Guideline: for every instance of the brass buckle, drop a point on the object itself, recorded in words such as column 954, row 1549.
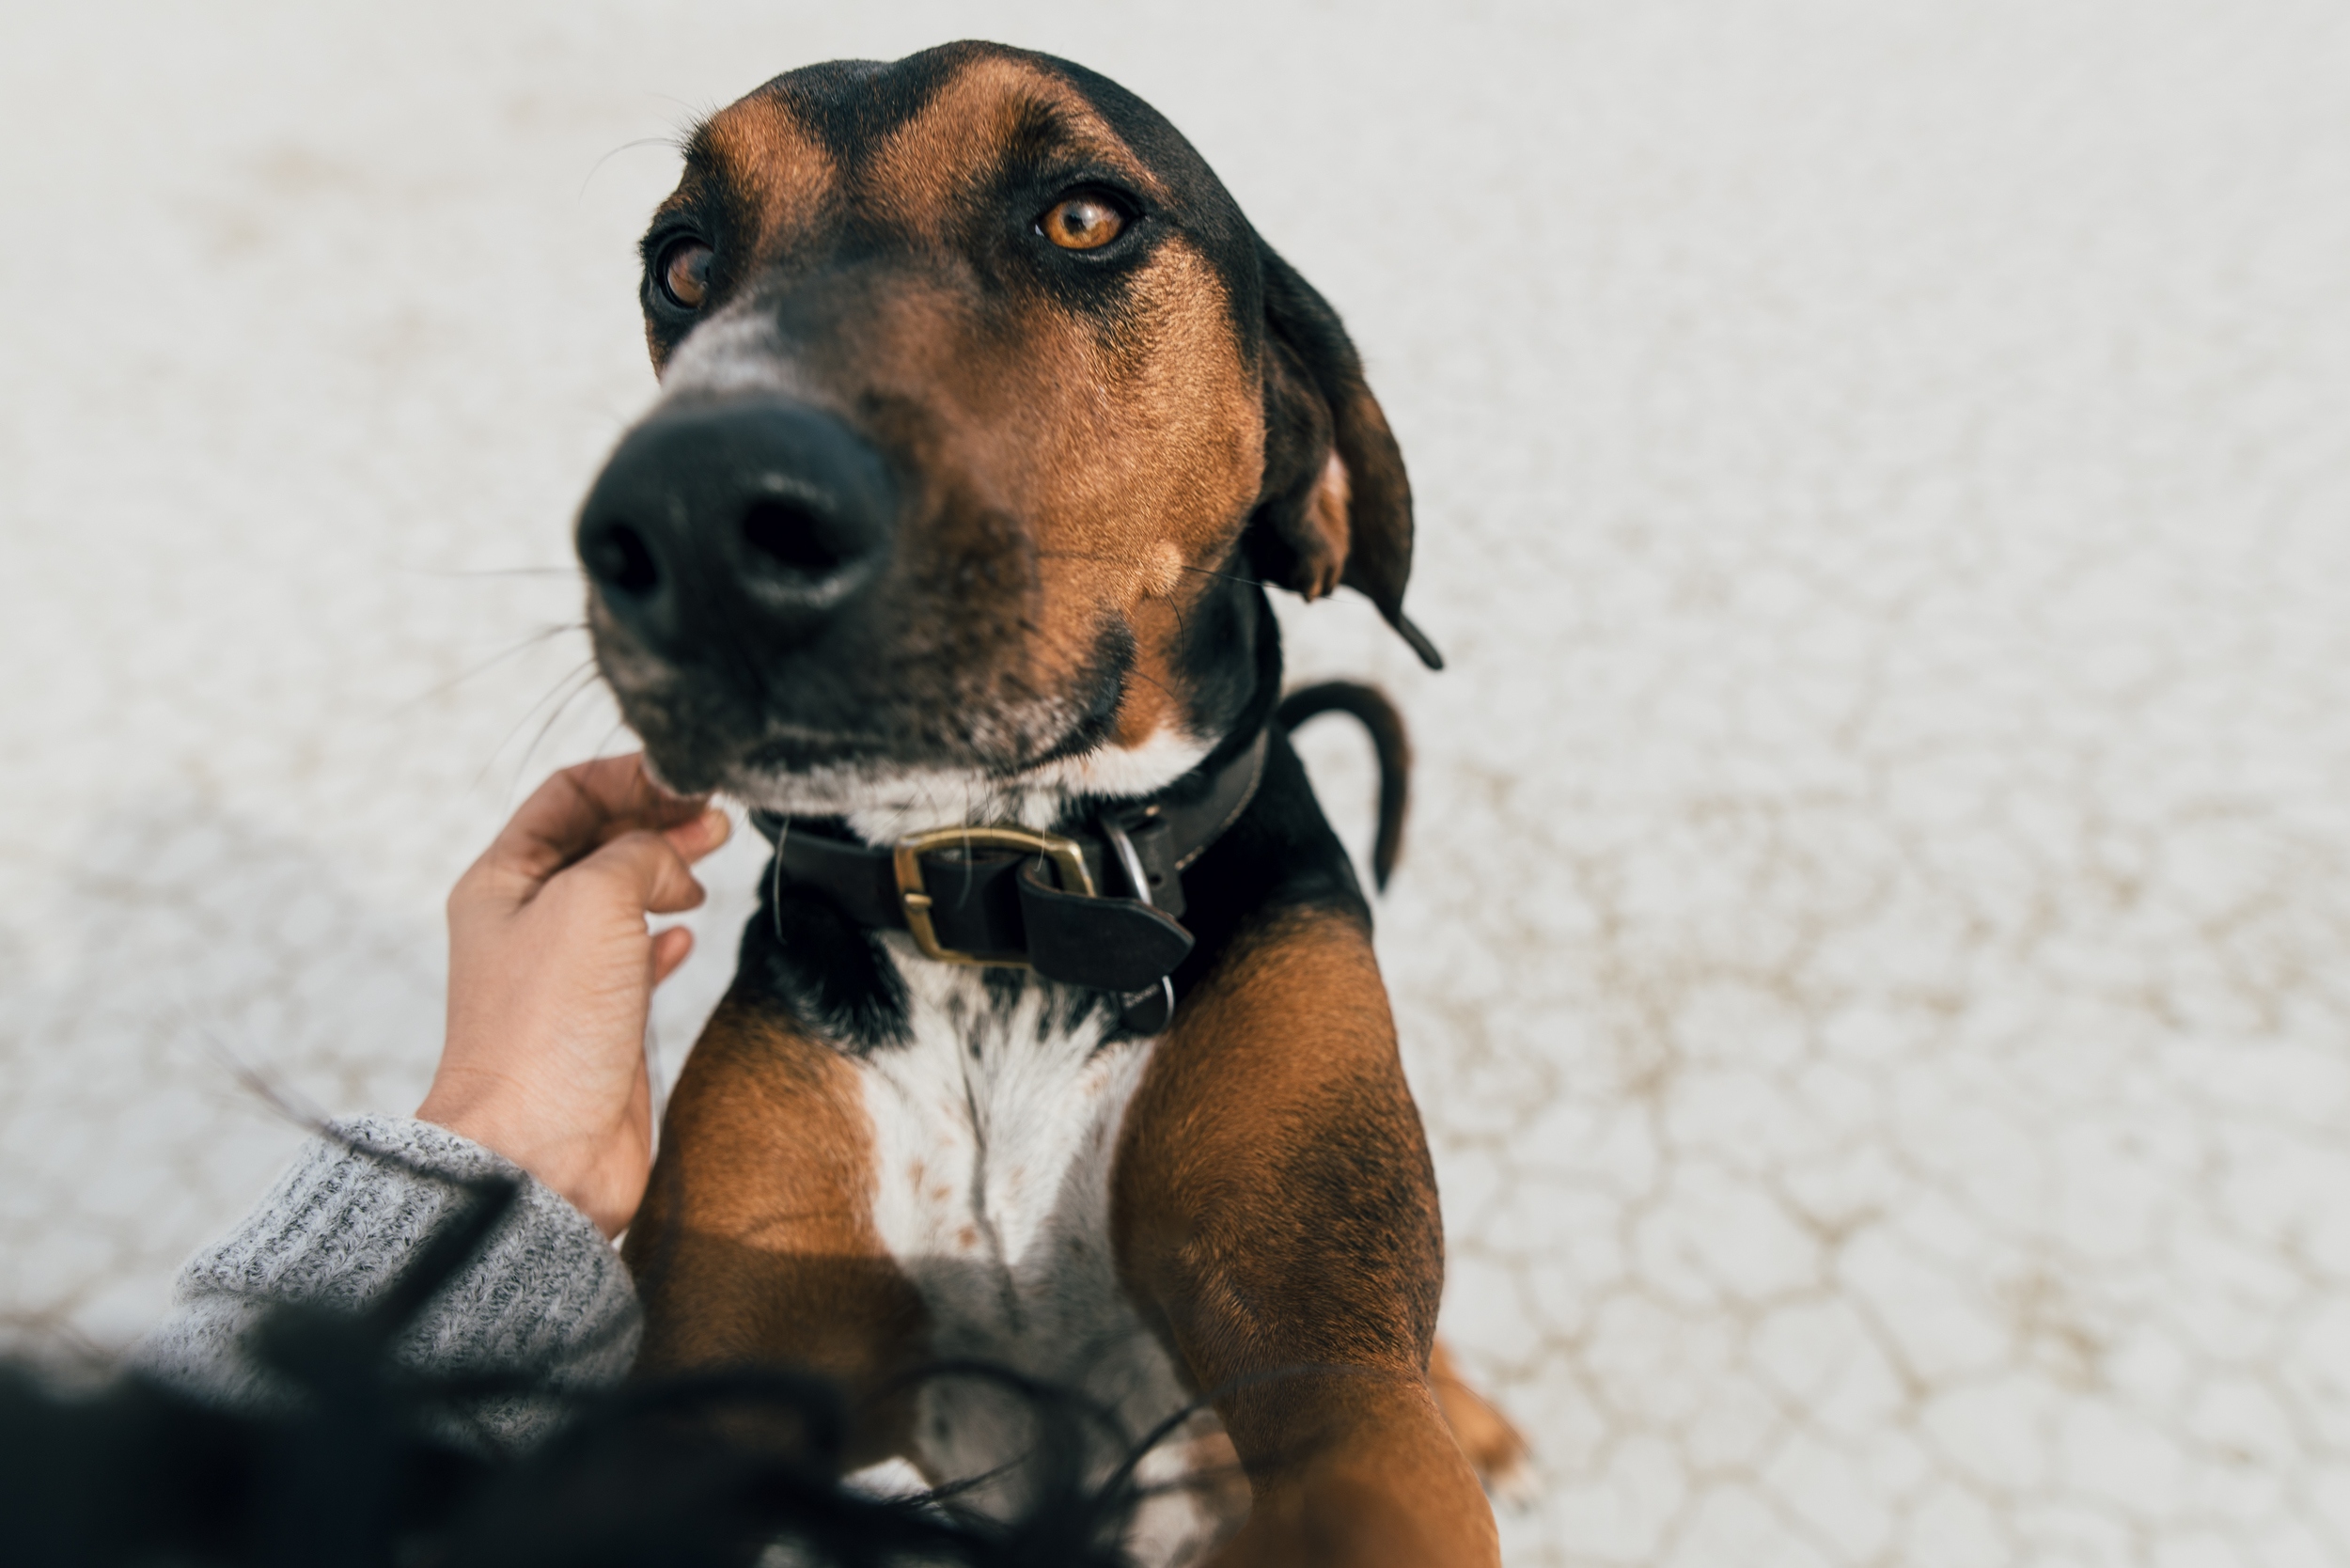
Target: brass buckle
column 1069, row 867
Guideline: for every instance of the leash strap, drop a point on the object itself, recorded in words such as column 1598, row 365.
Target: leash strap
column 1022, row 899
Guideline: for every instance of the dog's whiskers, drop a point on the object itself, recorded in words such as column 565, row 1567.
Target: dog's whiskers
column 490, row 572
column 545, row 633
column 565, row 690
column 669, row 141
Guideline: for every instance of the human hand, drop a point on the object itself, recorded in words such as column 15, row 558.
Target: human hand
column 551, row 975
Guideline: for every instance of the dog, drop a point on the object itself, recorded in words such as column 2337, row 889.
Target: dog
column 1057, row 1042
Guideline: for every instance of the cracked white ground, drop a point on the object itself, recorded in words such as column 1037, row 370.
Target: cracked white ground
column 1872, row 944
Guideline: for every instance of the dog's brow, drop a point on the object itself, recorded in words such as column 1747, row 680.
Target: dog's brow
column 1037, row 129
column 994, row 110
column 759, row 150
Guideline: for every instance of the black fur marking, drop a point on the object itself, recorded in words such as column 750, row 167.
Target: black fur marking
column 821, row 969
column 848, row 105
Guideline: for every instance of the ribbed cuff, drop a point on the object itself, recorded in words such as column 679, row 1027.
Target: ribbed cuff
column 546, row 1295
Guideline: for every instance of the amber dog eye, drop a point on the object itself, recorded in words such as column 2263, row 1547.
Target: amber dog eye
column 1081, row 222
column 685, row 273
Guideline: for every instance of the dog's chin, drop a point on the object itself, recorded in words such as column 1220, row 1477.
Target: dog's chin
column 701, row 742
column 883, row 798
column 796, row 771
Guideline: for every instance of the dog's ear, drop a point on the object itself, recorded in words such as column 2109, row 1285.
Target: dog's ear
column 1336, row 506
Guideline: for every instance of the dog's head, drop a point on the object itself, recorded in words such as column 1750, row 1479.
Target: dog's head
column 978, row 392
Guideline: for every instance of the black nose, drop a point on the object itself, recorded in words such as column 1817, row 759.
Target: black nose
column 713, row 512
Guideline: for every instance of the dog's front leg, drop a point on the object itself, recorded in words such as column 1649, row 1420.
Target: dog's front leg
column 1276, row 1213
column 756, row 1244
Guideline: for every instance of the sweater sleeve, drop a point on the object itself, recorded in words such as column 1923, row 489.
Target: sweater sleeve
column 546, row 1294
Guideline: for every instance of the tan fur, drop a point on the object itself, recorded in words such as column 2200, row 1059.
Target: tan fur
column 757, row 1215
column 1328, row 515
column 1241, row 1224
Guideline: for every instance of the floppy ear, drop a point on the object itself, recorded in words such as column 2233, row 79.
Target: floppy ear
column 1336, row 506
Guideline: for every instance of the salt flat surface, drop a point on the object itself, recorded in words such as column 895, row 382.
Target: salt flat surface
column 1872, row 947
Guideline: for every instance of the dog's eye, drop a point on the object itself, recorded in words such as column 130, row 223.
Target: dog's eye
column 1081, row 222
column 685, row 273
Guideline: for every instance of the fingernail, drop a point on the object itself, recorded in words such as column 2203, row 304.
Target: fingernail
column 710, row 829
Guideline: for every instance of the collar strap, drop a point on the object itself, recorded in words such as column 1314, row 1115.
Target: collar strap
column 1094, row 908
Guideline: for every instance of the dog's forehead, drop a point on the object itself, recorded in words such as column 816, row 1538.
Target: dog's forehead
column 910, row 141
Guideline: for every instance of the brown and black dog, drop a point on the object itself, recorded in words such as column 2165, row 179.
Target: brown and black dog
column 985, row 414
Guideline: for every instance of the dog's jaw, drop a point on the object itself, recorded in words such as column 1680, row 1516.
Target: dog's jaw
column 882, row 801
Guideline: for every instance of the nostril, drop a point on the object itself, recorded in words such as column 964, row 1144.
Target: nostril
column 619, row 557
column 792, row 535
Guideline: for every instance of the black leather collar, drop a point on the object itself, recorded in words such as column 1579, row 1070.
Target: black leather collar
column 1095, row 907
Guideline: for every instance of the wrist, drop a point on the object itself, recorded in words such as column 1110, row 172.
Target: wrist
column 603, row 1177
column 479, row 1112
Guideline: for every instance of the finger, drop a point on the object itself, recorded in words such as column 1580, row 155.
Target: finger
column 702, row 835
column 643, row 870
column 670, row 949
column 584, row 806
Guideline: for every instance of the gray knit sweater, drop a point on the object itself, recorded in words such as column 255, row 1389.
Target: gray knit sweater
column 546, row 1294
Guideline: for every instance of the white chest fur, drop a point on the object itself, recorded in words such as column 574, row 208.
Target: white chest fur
column 994, row 1131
